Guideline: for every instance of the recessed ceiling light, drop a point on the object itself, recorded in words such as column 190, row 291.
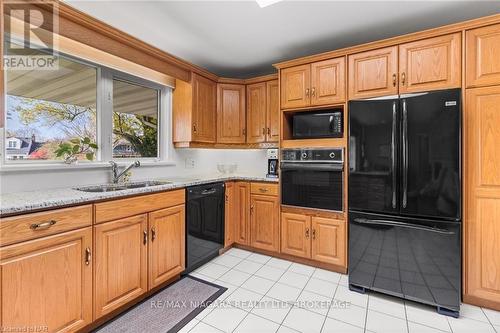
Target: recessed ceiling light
column 265, row 3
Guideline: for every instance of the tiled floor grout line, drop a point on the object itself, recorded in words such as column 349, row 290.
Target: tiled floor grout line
column 331, row 303
column 406, row 316
column 366, row 313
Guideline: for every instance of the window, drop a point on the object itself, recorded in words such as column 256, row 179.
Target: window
column 93, row 112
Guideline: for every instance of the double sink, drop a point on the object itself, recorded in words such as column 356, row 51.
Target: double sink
column 121, row 187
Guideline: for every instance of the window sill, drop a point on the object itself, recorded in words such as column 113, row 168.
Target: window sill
column 25, row 167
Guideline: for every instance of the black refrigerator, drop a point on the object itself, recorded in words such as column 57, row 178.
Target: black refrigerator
column 405, row 197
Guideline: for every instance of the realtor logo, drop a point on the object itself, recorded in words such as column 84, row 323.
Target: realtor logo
column 31, row 30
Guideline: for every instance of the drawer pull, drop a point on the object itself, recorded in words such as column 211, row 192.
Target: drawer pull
column 43, row 225
column 145, row 237
column 314, row 234
column 263, row 189
column 88, row 256
column 307, row 233
column 153, row 234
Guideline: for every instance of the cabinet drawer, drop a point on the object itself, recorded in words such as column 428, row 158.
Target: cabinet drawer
column 30, row 226
column 117, row 209
column 264, row 189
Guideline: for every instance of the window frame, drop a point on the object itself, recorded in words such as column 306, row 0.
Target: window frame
column 104, row 122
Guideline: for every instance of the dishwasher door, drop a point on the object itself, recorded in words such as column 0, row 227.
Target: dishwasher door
column 204, row 223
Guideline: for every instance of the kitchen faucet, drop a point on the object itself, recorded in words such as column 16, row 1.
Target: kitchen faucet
column 114, row 170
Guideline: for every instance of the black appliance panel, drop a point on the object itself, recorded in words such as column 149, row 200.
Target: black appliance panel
column 431, row 155
column 417, row 260
column 322, row 124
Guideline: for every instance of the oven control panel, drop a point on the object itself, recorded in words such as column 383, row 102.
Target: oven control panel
column 333, row 155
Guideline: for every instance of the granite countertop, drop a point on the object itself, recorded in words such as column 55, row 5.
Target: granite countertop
column 23, row 202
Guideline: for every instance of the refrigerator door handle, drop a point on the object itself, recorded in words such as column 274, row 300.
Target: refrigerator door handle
column 402, row 225
column 393, row 154
column 405, row 154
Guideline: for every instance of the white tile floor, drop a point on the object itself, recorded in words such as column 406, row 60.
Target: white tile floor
column 267, row 294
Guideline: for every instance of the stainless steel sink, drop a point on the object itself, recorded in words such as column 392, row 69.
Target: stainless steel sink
column 121, row 187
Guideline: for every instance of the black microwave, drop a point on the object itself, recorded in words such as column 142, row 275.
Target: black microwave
column 321, row 124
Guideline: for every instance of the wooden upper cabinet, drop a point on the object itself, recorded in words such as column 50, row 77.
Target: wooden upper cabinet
column 328, row 240
column 483, row 56
column 229, row 212
column 295, row 86
column 482, row 202
column 256, row 113
column 231, row 116
column 167, row 244
column 430, row 64
column 47, row 282
column 121, row 266
column 273, row 111
column 373, row 73
column 264, row 222
column 242, row 212
column 204, row 109
column 295, row 234
column 328, row 82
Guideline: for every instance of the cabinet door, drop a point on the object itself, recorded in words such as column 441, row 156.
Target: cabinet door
column 295, row 234
column 229, row 212
column 167, row 244
column 273, row 111
column 242, row 213
column 328, row 240
column 48, row 282
column 264, row 222
column 295, row 87
column 483, row 56
column 482, row 190
column 256, row 113
column 430, row 64
column 121, row 262
column 328, row 82
column 373, row 73
column 231, row 116
column 204, row 109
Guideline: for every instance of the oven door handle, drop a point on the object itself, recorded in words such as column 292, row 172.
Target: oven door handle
column 312, row 166
column 403, row 225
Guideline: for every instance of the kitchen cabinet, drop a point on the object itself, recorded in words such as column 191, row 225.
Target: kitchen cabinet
column 373, row 73
column 316, row 84
column 194, row 111
column 264, row 218
column 482, row 197
column 273, row 111
column 121, row 268
column 231, row 115
column 166, row 255
column 483, row 56
column 47, row 282
column 242, row 213
column 430, row 64
column 256, row 113
column 313, row 237
column 229, row 214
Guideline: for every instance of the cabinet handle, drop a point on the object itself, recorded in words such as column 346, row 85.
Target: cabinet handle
column 153, row 234
column 88, row 256
column 244, row 131
column 313, row 91
column 307, row 92
column 394, row 80
column 194, row 128
column 227, row 198
column 403, row 78
column 314, row 234
column 263, row 130
column 251, row 209
column 307, row 233
column 145, row 237
column 43, row 225
column 268, row 131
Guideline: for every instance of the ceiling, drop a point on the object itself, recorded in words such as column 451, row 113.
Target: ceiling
column 239, row 39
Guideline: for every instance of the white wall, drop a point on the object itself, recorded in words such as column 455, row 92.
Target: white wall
column 250, row 162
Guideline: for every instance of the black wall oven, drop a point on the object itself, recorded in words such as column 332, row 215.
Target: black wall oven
column 313, row 178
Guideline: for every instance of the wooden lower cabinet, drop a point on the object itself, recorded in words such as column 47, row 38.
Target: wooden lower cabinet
column 482, row 201
column 167, row 246
column 47, row 283
column 295, row 234
column 121, row 267
column 264, row 222
column 229, row 212
column 242, row 213
column 328, row 240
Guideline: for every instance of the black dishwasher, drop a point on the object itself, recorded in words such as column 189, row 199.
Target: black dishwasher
column 204, row 223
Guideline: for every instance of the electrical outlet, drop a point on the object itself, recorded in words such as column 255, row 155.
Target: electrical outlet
column 189, row 163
